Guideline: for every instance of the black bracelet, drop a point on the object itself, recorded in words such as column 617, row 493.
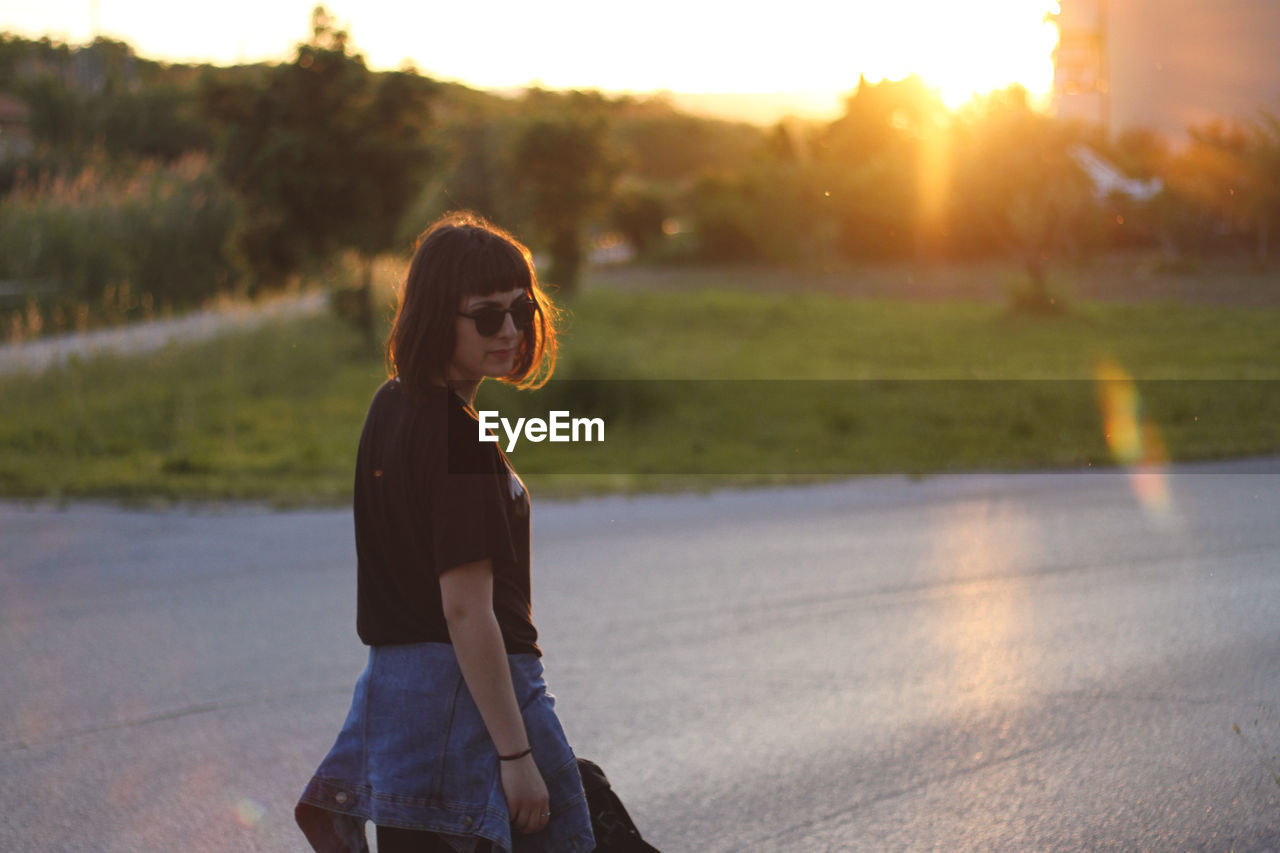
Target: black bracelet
column 515, row 756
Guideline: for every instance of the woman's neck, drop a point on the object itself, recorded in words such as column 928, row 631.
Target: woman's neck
column 464, row 388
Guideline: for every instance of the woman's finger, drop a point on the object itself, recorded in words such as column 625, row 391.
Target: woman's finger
column 524, row 820
column 531, row 819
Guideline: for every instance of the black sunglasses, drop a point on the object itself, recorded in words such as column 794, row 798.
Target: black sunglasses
column 489, row 318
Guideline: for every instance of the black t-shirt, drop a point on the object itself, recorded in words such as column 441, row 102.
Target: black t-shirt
column 430, row 496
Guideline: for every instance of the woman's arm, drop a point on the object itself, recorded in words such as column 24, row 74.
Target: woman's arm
column 467, row 595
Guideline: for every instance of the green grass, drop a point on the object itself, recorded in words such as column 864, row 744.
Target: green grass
column 698, row 389
column 269, row 415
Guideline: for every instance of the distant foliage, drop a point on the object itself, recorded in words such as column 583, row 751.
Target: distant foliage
column 814, row 194
column 326, row 154
column 1016, row 190
column 721, row 209
column 565, row 169
column 1224, row 189
column 639, row 214
column 874, row 160
column 164, row 236
column 668, row 147
column 99, row 98
column 327, row 157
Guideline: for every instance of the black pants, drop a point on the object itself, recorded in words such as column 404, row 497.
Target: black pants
column 394, row 840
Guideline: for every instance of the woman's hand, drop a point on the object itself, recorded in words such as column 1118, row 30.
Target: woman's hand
column 526, row 793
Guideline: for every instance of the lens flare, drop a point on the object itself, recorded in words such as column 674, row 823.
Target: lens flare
column 1134, row 442
column 248, row 812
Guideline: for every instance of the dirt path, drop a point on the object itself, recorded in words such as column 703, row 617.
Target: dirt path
column 38, row 355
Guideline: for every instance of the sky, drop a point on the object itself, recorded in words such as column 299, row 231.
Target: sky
column 812, row 48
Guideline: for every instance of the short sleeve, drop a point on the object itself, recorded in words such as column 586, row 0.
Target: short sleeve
column 467, row 497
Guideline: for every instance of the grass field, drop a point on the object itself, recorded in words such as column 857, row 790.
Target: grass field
column 698, row 388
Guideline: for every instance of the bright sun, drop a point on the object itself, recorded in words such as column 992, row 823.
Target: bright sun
column 960, row 47
column 969, row 48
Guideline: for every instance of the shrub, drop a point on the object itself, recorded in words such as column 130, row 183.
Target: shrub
column 163, row 236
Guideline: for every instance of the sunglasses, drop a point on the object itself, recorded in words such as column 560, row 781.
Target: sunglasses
column 490, row 319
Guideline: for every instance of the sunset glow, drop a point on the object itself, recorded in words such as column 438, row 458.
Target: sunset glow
column 971, row 48
column 811, row 49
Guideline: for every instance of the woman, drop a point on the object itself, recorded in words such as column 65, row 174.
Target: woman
column 451, row 743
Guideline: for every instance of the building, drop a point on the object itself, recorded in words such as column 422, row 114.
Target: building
column 1166, row 64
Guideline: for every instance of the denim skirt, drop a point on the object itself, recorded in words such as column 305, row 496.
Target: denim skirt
column 414, row 753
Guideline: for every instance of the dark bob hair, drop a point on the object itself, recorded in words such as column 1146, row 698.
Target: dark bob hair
column 463, row 255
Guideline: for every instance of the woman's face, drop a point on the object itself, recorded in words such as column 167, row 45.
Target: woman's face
column 476, row 356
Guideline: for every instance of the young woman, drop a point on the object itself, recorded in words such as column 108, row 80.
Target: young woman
column 451, row 743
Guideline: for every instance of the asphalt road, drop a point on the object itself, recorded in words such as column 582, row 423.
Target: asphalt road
column 979, row 662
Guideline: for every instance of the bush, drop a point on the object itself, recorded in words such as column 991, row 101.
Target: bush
column 722, row 220
column 164, row 236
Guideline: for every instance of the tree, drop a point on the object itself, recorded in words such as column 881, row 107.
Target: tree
column 1266, row 161
column 721, row 210
column 566, row 169
column 98, row 99
column 639, row 215
column 665, row 146
column 1230, row 176
column 1015, row 182
column 396, row 159
column 327, row 154
column 874, row 163
column 476, row 176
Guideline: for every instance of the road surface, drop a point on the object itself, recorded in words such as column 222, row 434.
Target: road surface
column 964, row 663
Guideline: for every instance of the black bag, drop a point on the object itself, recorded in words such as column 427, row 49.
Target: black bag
column 614, row 830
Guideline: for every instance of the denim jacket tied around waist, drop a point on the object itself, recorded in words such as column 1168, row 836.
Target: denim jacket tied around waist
column 414, row 753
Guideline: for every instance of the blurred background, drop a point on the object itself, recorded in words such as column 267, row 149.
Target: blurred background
column 933, row 190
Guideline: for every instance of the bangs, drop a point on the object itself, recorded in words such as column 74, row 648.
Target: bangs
column 495, row 267
column 461, row 255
